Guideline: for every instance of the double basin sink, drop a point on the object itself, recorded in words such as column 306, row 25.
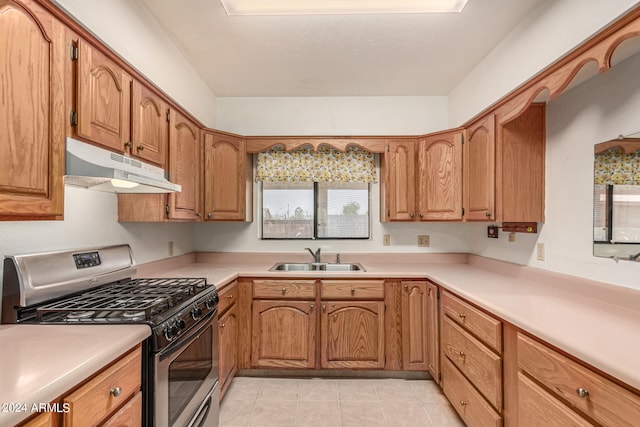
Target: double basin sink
column 316, row 266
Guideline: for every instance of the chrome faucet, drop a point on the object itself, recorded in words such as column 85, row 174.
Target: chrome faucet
column 315, row 255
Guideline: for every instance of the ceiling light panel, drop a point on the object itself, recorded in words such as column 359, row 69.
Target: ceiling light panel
column 339, row 7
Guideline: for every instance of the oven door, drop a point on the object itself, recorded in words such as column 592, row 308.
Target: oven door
column 186, row 379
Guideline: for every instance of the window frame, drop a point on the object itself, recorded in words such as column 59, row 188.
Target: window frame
column 315, row 218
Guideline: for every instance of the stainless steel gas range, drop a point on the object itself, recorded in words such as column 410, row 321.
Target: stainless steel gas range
column 94, row 286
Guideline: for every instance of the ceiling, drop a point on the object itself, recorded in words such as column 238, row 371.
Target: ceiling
column 336, row 55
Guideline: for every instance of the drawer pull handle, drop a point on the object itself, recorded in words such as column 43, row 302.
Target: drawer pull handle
column 284, row 290
column 230, row 296
column 462, row 315
column 312, row 306
column 222, row 326
column 116, row 391
column 582, row 392
column 353, row 291
column 462, row 354
column 463, row 403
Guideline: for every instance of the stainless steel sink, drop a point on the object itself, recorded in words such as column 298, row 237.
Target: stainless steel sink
column 316, row 266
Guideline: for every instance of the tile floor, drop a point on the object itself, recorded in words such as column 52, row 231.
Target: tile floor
column 266, row 402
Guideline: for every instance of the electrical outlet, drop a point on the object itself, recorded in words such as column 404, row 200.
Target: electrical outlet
column 540, row 251
column 512, row 237
column 423, row 241
column 386, row 240
column 170, row 249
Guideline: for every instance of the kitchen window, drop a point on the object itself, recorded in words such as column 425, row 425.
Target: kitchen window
column 316, row 195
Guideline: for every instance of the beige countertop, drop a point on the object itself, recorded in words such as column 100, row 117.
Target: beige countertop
column 597, row 323
column 39, row 363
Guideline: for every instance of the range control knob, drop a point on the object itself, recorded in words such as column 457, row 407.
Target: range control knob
column 210, row 303
column 170, row 332
column 181, row 324
column 196, row 313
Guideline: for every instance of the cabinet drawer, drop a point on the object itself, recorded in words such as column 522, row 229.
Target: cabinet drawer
column 536, row 407
column 228, row 296
column 129, row 415
column 284, row 289
column 467, row 402
column 483, row 326
column 97, row 399
column 45, row 419
column 353, row 289
column 602, row 400
column 479, row 364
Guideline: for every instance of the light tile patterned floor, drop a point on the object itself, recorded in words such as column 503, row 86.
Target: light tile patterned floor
column 267, row 402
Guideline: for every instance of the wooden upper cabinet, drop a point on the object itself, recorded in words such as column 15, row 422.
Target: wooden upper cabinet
column 520, row 151
column 184, row 156
column 440, row 177
column 149, row 125
column 225, row 178
column 400, row 193
column 479, row 170
column 32, row 113
column 104, row 99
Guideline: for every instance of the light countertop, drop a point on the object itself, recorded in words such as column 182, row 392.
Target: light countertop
column 598, row 326
column 40, row 363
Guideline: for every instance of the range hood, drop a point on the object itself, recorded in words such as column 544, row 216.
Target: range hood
column 95, row 168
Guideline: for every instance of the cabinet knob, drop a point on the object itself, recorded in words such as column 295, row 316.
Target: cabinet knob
column 462, row 354
column 412, row 215
column 353, row 291
column 115, row 392
column 284, row 290
column 230, row 296
column 463, row 403
column 406, row 286
column 198, row 214
column 462, row 315
column 128, row 144
column 324, row 307
column 421, row 216
column 140, row 147
column 209, row 215
column 312, row 306
column 222, row 326
column 582, row 392
column 487, row 214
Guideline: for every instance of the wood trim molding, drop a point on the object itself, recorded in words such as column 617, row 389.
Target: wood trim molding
column 257, row 144
column 627, row 145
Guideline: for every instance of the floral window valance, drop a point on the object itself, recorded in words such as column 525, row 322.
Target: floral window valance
column 615, row 167
column 325, row 165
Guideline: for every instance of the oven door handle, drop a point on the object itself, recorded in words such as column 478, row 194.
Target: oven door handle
column 201, row 418
column 190, row 336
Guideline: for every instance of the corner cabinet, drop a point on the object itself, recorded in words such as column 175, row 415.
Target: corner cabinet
column 32, row 114
column 227, row 178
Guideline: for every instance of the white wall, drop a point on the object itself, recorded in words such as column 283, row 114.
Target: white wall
column 370, row 115
column 132, row 32
column 552, row 29
column 91, row 220
column 598, row 110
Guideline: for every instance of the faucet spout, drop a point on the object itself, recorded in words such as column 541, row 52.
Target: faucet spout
column 315, row 255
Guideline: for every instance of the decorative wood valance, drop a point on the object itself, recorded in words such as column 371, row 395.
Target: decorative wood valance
column 289, row 143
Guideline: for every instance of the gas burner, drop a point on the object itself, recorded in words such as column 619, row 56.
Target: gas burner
column 77, row 315
column 133, row 315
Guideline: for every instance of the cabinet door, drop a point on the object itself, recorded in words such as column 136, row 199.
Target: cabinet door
column 228, row 342
column 225, row 177
column 32, row 114
column 183, row 167
column 414, row 326
column 284, row 334
column 479, row 170
column 433, row 335
column 440, row 177
column 400, row 193
column 104, row 99
column 352, row 335
column 150, row 125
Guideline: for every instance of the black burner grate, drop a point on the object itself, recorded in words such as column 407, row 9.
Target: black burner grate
column 133, row 300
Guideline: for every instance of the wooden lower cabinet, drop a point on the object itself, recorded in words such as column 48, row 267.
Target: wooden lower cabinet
column 284, row 334
column 352, row 334
column 415, row 325
column 228, row 327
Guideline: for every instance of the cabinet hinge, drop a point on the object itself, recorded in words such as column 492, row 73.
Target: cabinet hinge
column 73, row 51
column 438, row 294
column 463, row 138
column 73, row 118
column 388, row 148
column 389, row 213
column 166, row 209
column 462, row 211
column 439, row 377
column 168, row 116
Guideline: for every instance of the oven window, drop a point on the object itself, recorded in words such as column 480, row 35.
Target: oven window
column 188, row 372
